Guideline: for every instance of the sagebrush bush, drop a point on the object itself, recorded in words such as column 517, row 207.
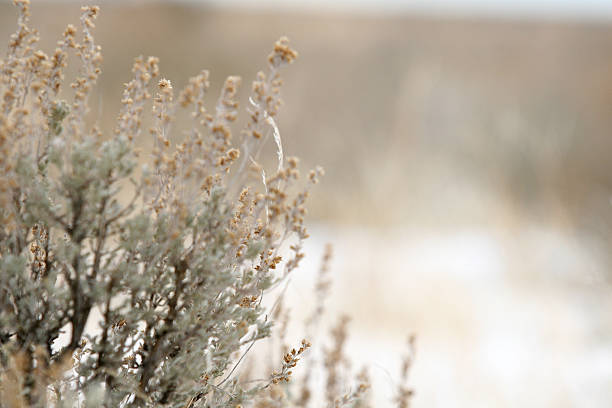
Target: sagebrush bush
column 173, row 277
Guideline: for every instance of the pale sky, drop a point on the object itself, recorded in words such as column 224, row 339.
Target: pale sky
column 513, row 8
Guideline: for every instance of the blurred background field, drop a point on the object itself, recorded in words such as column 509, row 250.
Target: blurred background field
column 469, row 179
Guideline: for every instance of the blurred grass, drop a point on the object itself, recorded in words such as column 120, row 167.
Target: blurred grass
column 416, row 120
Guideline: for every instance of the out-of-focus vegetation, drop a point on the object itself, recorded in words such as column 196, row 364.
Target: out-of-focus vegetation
column 450, row 120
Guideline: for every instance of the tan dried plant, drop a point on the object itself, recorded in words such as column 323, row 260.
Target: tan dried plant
column 174, row 277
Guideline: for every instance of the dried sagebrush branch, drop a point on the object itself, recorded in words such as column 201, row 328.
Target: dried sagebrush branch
column 175, row 274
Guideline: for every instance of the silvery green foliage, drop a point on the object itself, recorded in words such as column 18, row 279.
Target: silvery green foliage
column 166, row 262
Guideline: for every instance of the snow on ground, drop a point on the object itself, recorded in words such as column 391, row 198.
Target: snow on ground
column 502, row 318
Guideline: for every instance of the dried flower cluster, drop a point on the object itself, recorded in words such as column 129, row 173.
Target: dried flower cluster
column 153, row 300
column 289, row 361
